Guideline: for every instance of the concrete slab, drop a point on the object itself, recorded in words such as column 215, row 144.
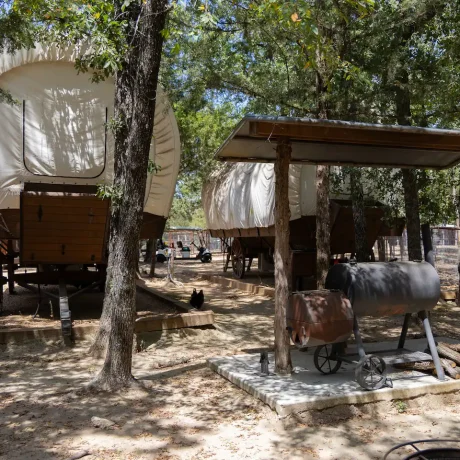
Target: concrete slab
column 308, row 389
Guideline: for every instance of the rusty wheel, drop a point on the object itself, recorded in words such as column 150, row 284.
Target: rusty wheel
column 238, row 259
column 326, row 361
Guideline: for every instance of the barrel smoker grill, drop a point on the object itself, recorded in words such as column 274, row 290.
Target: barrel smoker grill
column 327, row 318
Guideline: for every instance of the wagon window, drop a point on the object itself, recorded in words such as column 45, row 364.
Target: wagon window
column 64, row 137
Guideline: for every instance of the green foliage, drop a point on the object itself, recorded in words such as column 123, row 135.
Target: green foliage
column 202, row 132
column 16, row 31
column 7, row 98
column 400, row 406
column 187, row 201
column 184, row 218
column 16, row 28
column 152, row 167
column 110, row 192
column 266, row 54
column 115, row 125
column 93, row 26
column 439, row 196
column 270, row 56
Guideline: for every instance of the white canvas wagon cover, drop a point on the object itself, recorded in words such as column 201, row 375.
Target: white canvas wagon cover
column 57, row 132
column 242, row 195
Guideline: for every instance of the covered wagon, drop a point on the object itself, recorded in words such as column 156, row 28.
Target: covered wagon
column 56, row 148
column 239, row 202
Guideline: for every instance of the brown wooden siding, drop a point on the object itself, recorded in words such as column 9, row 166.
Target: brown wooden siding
column 62, row 229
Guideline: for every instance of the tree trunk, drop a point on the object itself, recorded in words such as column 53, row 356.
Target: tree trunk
column 282, row 257
column 135, row 96
column 323, row 217
column 154, row 259
column 149, row 251
column 359, row 216
column 323, row 225
column 99, row 346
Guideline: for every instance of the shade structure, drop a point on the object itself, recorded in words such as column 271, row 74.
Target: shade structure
column 342, row 143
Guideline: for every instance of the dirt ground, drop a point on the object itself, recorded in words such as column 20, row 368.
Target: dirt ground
column 185, row 411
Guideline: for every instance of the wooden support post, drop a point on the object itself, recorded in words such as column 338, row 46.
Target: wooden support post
column 283, row 364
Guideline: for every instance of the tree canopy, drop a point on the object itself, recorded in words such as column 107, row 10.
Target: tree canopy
column 226, row 58
column 262, row 57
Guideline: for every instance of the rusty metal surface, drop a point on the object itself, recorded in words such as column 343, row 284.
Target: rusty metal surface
column 319, row 317
column 386, row 288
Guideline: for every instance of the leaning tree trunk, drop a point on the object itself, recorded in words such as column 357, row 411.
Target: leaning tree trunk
column 359, row 216
column 282, row 257
column 135, row 96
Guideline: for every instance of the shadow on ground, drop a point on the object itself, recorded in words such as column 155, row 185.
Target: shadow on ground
column 188, row 412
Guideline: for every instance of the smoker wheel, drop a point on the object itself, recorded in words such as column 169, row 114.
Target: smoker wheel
column 325, row 360
column 371, row 372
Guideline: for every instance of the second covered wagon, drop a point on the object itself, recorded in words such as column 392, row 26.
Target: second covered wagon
column 239, row 202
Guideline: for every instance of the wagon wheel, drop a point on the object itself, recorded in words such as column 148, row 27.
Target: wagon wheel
column 371, row 372
column 325, row 360
column 238, row 259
